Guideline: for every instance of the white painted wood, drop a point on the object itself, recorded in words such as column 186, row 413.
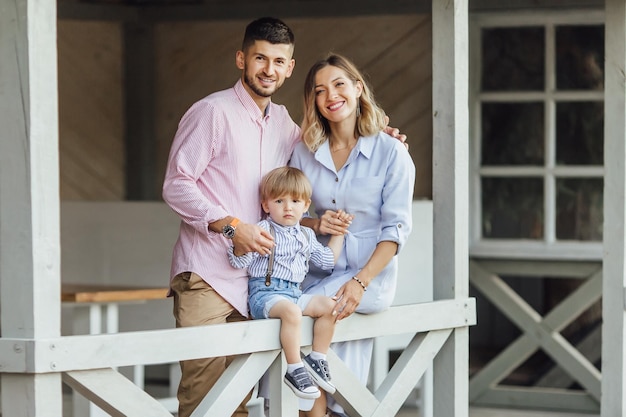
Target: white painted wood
column 450, row 195
column 27, row 395
column 538, row 333
column 237, row 381
column 408, row 370
column 355, row 398
column 589, row 347
column 415, row 284
column 282, row 400
column 541, row 268
column 614, row 366
column 170, row 345
column 540, row 399
column 114, row 393
column 29, row 199
column 241, row 338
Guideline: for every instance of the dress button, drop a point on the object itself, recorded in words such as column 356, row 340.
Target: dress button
column 399, row 225
column 333, row 201
column 336, row 179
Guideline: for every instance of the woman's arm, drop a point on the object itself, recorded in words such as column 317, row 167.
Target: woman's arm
column 349, row 295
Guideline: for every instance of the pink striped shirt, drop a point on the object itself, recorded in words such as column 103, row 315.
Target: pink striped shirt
column 222, row 148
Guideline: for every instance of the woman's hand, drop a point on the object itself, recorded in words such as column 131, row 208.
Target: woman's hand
column 334, row 222
column 348, row 298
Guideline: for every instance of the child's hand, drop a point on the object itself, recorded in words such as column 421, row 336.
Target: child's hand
column 335, row 222
column 346, row 218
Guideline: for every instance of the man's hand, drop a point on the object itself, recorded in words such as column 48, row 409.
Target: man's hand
column 395, row 132
column 252, row 238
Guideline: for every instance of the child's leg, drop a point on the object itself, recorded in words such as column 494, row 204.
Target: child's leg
column 321, row 308
column 291, row 317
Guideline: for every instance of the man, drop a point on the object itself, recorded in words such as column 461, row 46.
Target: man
column 224, row 145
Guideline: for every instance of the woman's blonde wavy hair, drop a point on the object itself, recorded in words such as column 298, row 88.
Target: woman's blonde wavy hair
column 315, row 128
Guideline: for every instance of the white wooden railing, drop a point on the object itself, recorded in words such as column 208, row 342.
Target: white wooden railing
column 87, row 362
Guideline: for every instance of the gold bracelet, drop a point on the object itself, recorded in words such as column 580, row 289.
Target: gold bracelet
column 360, row 282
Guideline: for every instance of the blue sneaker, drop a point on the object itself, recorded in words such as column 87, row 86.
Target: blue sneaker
column 300, row 383
column 318, row 368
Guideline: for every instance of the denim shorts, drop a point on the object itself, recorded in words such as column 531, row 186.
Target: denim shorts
column 262, row 298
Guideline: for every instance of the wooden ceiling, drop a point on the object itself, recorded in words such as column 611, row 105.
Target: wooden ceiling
column 168, row 10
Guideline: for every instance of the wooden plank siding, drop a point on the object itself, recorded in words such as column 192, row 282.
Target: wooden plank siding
column 91, row 118
column 193, row 59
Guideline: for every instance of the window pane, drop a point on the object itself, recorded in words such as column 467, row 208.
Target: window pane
column 579, row 205
column 580, row 133
column 512, row 134
column 512, row 208
column 580, row 57
column 513, row 59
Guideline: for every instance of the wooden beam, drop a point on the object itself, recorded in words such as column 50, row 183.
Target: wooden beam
column 234, row 10
column 29, row 197
column 613, row 301
column 139, row 114
column 235, row 383
column 450, row 195
column 164, row 346
column 286, row 9
column 114, row 393
column 533, row 398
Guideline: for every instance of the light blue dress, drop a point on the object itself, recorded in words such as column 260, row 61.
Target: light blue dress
column 376, row 186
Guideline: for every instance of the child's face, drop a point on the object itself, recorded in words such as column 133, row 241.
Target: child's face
column 286, row 210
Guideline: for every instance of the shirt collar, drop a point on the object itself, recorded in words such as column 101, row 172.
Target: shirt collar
column 364, row 146
column 248, row 102
column 283, row 228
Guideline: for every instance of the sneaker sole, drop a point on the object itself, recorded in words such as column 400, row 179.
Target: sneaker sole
column 318, row 380
column 300, row 394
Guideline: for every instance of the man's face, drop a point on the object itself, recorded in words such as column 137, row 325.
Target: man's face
column 265, row 67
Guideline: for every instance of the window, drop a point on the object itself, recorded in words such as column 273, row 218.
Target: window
column 537, row 124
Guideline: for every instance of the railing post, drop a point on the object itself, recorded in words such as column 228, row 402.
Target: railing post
column 614, row 282
column 29, row 199
column 450, row 195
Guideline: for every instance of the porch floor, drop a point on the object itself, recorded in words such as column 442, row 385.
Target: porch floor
column 498, row 412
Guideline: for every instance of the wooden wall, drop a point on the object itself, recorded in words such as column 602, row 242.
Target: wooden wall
column 194, row 59
column 91, row 117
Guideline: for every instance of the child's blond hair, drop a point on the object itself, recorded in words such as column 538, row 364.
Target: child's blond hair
column 285, row 181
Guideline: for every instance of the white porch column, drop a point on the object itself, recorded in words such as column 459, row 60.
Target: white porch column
column 29, row 198
column 614, row 282
column 450, row 195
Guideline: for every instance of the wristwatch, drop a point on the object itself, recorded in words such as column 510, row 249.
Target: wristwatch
column 229, row 230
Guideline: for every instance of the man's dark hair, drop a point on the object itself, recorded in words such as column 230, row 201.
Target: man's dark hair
column 269, row 29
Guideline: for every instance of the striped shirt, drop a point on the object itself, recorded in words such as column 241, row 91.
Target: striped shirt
column 292, row 253
column 223, row 147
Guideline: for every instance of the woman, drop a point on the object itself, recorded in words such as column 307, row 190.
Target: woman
column 357, row 168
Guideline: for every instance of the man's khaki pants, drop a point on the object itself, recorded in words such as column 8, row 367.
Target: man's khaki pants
column 196, row 303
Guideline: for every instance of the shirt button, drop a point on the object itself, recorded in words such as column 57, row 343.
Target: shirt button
column 399, row 225
column 333, row 201
column 336, row 179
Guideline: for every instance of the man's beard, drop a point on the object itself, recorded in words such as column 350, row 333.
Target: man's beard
column 256, row 89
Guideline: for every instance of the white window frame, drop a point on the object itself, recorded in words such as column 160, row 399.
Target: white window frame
column 549, row 247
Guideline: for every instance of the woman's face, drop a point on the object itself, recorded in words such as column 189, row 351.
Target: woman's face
column 336, row 95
